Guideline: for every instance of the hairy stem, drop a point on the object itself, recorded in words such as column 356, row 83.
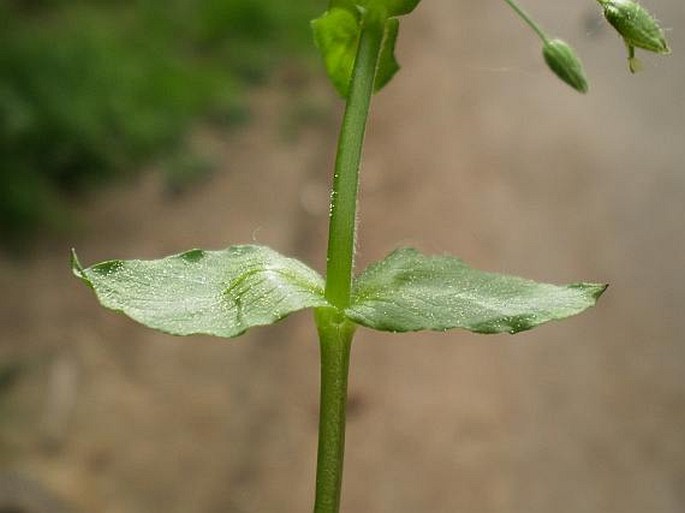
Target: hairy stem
column 342, row 227
column 335, row 334
column 335, row 331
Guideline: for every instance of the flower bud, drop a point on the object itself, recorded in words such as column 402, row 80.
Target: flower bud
column 565, row 64
column 637, row 27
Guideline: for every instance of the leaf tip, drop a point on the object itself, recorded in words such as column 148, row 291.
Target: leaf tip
column 599, row 289
column 76, row 266
column 594, row 290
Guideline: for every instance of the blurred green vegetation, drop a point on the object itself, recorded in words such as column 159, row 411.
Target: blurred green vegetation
column 92, row 89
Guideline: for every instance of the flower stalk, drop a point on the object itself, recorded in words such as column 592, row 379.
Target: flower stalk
column 558, row 55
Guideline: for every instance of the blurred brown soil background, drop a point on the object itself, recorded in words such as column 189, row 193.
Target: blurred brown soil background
column 474, row 149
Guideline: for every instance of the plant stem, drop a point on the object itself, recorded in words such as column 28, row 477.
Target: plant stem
column 335, row 335
column 524, row 16
column 342, row 227
column 335, row 331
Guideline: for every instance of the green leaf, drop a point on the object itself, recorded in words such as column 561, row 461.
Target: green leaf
column 220, row 293
column 408, row 291
column 398, row 7
column 387, row 64
column 391, row 7
column 350, row 5
column 336, row 34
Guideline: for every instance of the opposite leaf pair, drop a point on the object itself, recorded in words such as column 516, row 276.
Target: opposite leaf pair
column 224, row 293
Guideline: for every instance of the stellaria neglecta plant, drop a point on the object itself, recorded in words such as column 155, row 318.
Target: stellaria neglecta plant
column 226, row 292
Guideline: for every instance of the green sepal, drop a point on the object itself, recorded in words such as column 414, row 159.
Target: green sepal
column 337, row 33
column 221, row 293
column 408, row 291
column 636, row 25
column 565, row 64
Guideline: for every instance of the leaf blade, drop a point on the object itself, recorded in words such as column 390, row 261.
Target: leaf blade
column 387, row 63
column 336, row 35
column 391, row 7
column 221, row 293
column 408, row 291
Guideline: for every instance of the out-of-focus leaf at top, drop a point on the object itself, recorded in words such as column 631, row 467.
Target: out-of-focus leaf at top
column 392, row 7
column 337, row 33
column 387, row 64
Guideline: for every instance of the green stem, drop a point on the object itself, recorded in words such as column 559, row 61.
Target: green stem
column 335, row 331
column 524, row 16
column 335, row 335
column 342, row 228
